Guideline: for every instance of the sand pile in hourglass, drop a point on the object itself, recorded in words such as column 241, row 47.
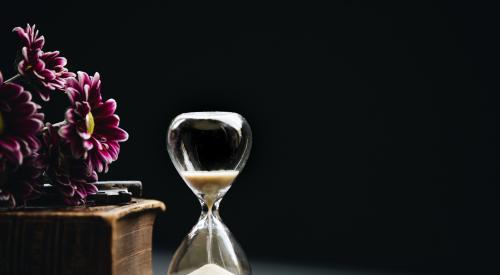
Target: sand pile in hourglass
column 210, row 269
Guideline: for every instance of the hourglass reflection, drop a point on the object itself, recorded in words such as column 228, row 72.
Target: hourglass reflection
column 209, row 150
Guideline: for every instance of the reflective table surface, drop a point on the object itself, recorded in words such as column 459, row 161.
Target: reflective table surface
column 161, row 260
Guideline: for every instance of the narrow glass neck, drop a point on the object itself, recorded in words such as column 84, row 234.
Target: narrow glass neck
column 210, row 209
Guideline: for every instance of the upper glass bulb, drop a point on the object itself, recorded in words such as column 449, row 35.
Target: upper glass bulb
column 209, row 149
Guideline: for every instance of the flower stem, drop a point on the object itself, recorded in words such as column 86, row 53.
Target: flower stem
column 12, row 78
column 56, row 125
column 61, row 123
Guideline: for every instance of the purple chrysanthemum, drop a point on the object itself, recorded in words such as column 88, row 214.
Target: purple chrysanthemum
column 22, row 183
column 72, row 177
column 46, row 71
column 91, row 124
column 20, row 122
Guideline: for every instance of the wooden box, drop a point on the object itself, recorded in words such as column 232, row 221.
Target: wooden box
column 107, row 240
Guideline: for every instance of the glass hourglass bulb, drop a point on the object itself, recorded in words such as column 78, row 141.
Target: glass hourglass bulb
column 209, row 150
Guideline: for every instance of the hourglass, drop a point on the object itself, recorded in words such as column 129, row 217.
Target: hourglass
column 209, row 150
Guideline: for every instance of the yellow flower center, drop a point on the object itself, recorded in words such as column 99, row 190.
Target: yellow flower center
column 2, row 125
column 89, row 122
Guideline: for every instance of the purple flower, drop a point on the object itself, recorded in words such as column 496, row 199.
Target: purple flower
column 30, row 38
column 92, row 126
column 46, row 71
column 20, row 122
column 72, row 177
column 22, row 183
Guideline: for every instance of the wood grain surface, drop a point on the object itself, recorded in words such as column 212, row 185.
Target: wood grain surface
column 107, row 240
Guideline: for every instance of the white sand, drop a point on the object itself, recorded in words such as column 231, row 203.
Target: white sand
column 202, row 179
column 210, row 269
column 210, row 182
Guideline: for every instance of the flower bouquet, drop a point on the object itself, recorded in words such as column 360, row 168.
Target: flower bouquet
column 66, row 155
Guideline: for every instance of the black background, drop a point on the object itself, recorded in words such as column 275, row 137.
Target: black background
column 375, row 123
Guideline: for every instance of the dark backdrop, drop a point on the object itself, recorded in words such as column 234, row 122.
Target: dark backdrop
column 375, row 124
